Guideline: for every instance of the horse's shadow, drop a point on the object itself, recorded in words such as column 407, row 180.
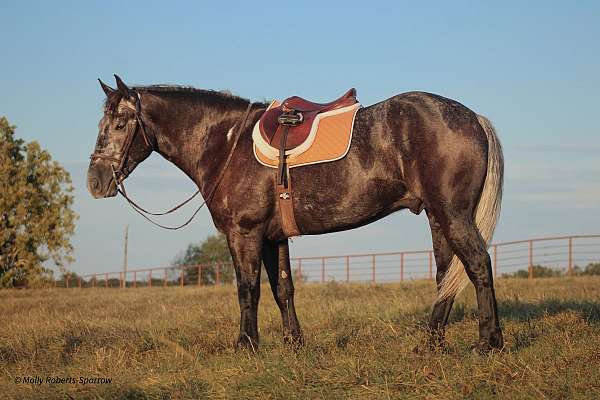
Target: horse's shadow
column 531, row 314
column 524, row 311
column 517, row 310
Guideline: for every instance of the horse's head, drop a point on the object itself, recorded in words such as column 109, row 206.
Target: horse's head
column 122, row 141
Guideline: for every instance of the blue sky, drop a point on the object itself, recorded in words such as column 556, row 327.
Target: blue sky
column 532, row 68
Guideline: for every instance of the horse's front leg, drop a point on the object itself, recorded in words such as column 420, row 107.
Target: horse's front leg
column 246, row 253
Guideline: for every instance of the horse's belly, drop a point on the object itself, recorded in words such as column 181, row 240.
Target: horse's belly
column 335, row 208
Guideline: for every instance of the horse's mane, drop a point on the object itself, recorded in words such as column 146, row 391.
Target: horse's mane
column 113, row 100
column 224, row 94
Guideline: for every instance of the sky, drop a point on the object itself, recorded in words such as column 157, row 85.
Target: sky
column 531, row 67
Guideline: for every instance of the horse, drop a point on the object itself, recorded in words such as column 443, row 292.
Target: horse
column 416, row 151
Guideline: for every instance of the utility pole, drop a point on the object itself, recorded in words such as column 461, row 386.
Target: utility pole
column 125, row 257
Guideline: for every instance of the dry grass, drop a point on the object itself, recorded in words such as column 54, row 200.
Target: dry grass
column 177, row 343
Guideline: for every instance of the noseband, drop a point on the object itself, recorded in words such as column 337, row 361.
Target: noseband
column 121, row 172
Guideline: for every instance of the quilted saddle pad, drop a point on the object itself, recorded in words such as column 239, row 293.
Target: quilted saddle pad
column 329, row 140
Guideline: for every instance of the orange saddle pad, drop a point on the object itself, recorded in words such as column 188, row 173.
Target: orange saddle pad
column 329, row 140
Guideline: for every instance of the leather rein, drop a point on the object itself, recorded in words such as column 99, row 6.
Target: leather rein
column 120, row 173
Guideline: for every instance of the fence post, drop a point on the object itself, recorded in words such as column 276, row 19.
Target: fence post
column 121, row 280
column 322, row 269
column 79, row 282
column 150, row 277
column 218, row 278
column 495, row 260
column 430, row 264
column 401, row 267
column 199, row 274
column 165, row 279
column 531, row 259
column 181, row 276
column 67, row 281
column 373, row 268
column 570, row 271
column 347, row 269
column 106, row 280
column 135, row 279
column 94, row 282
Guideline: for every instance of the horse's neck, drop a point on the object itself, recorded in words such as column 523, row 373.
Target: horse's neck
column 197, row 139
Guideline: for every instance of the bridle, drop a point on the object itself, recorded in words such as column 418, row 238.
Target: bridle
column 120, row 172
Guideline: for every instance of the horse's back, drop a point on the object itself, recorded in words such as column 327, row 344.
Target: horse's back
column 405, row 150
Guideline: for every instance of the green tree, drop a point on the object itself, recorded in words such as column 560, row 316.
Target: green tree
column 213, row 251
column 538, row 271
column 592, row 268
column 36, row 220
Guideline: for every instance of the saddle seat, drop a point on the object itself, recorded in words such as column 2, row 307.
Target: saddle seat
column 302, row 105
column 306, row 111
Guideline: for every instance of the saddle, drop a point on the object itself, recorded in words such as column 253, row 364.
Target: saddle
column 286, row 126
column 292, row 129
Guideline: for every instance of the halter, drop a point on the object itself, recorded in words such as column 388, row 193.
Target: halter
column 120, row 173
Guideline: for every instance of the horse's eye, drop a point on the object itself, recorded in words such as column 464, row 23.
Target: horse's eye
column 120, row 125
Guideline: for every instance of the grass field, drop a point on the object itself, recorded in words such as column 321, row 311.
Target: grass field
column 177, row 343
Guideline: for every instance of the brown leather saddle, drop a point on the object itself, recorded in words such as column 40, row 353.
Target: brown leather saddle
column 288, row 125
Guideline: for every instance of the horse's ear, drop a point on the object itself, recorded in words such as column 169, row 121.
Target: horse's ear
column 123, row 89
column 107, row 89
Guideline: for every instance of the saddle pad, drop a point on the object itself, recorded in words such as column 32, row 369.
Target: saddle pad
column 329, row 140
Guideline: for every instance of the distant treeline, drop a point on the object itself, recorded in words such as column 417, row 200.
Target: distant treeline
column 542, row 271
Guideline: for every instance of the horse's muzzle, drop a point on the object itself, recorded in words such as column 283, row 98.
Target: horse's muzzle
column 100, row 181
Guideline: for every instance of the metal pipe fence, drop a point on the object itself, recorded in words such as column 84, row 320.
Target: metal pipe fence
column 564, row 254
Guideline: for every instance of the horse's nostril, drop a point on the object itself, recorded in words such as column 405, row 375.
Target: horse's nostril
column 95, row 185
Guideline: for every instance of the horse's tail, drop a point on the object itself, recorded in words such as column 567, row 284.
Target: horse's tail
column 486, row 213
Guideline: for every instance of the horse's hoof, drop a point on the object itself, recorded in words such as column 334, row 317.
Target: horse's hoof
column 294, row 341
column 245, row 342
column 484, row 348
column 439, row 347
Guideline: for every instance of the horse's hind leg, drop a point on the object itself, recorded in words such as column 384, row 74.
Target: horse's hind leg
column 441, row 309
column 469, row 246
column 276, row 257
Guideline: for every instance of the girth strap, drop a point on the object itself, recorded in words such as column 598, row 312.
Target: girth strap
column 284, row 190
column 285, row 200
